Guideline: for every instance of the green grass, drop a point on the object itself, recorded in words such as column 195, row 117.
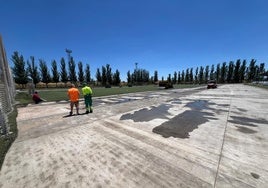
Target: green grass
column 6, row 141
column 61, row 93
column 23, row 98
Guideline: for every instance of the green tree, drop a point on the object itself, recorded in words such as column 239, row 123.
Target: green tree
column 187, row 76
column 64, row 75
column 230, row 72
column 55, row 72
column 169, row 78
column 140, row 76
column 206, row 73
column 218, row 72
column 179, row 77
column 72, row 72
column 129, row 78
column 103, row 76
column 262, row 71
column 212, row 74
column 174, row 80
column 98, row 76
column 88, row 75
column 19, row 71
column 109, row 74
column 196, row 75
column 33, row 71
column 155, row 76
column 257, row 73
column 182, row 77
column 242, row 71
column 252, row 70
column 236, row 71
column 81, row 77
column 223, row 72
column 116, row 77
column 45, row 75
column 191, row 76
column 201, row 75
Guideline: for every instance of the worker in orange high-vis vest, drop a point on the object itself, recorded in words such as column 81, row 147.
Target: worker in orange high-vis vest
column 74, row 94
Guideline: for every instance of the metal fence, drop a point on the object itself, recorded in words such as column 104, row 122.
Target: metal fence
column 7, row 91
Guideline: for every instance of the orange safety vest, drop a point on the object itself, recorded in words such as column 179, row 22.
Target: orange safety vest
column 73, row 94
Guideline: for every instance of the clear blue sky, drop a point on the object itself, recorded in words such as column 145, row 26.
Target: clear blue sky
column 162, row 35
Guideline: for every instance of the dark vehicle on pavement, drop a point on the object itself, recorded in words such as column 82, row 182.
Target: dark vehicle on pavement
column 165, row 84
column 212, row 84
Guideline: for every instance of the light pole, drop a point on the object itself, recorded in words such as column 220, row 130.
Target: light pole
column 69, row 54
column 136, row 73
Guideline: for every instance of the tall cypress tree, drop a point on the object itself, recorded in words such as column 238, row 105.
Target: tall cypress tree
column 19, row 71
column 55, row 73
column 129, row 78
column 64, row 75
column 182, row 77
column 103, row 76
column 45, row 75
column 242, row 71
column 33, row 71
column 206, row 73
column 88, row 75
column 191, row 76
column 98, row 76
column 116, row 77
column 81, row 77
column 179, row 77
column 155, row 76
column 174, row 80
column 236, row 71
column 230, row 72
column 196, row 75
column 187, row 76
column 223, row 72
column 212, row 75
column 72, row 72
column 201, row 75
column 218, row 72
column 252, row 70
column 109, row 74
column 262, row 71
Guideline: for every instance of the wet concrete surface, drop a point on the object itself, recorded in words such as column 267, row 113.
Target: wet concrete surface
column 146, row 114
column 247, row 121
column 170, row 138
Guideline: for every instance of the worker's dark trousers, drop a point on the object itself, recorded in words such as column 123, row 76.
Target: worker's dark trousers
column 88, row 102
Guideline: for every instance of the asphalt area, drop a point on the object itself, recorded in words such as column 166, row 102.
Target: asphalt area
column 170, row 138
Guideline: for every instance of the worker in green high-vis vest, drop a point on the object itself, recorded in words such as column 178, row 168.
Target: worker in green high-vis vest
column 87, row 92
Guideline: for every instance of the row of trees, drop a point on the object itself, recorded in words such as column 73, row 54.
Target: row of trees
column 233, row 72
column 29, row 70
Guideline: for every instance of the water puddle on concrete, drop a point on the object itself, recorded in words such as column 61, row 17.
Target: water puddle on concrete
column 245, row 130
column 145, row 114
column 181, row 125
column 247, row 121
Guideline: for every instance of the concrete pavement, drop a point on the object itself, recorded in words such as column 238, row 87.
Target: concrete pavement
column 171, row 138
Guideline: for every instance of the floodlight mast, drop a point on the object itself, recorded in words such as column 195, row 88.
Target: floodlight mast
column 68, row 51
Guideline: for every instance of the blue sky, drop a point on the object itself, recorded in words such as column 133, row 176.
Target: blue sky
column 162, row 35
